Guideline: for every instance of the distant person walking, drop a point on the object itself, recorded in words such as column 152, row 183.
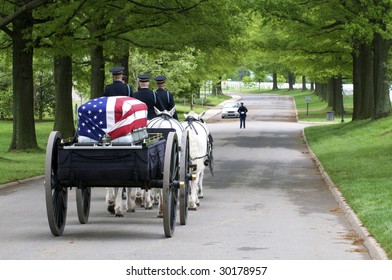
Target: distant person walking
column 242, row 110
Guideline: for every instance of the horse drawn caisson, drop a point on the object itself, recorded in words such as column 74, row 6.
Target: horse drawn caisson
column 115, row 151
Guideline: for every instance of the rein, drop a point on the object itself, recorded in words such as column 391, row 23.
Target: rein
column 167, row 117
column 190, row 121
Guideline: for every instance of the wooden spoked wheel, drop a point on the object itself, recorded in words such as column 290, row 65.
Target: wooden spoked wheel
column 170, row 190
column 83, row 202
column 184, row 177
column 56, row 195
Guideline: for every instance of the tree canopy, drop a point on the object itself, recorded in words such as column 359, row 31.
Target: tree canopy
column 72, row 42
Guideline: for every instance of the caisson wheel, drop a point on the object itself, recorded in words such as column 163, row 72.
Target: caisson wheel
column 170, row 191
column 55, row 194
column 83, row 200
column 184, row 177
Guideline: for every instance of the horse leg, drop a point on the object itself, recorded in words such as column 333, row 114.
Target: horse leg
column 160, row 205
column 130, row 199
column 200, row 186
column 147, row 200
column 193, row 193
column 157, row 196
column 110, row 198
column 139, row 197
column 121, row 196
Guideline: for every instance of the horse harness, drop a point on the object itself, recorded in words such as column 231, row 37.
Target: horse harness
column 190, row 121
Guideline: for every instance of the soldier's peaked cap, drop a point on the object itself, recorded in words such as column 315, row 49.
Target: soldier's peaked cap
column 117, row 70
column 144, row 77
column 160, row 79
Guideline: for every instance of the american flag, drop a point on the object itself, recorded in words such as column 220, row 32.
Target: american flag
column 116, row 116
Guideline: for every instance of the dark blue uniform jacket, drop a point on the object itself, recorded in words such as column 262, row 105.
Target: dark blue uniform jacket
column 118, row 88
column 147, row 96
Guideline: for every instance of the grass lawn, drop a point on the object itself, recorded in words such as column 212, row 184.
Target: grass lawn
column 357, row 156
column 22, row 165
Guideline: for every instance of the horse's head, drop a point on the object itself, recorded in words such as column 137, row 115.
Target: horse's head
column 192, row 116
column 165, row 113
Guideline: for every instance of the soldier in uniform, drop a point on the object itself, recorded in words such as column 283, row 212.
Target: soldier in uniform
column 165, row 100
column 117, row 88
column 242, row 110
column 146, row 95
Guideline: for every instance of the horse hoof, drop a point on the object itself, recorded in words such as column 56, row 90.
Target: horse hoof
column 131, row 211
column 148, row 208
column 160, row 215
column 192, row 208
column 119, row 215
column 111, row 209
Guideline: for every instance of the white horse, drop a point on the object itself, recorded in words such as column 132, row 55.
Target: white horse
column 164, row 119
column 199, row 138
column 125, row 200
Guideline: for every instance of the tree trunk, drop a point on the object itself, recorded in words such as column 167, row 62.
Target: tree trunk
column 382, row 102
column 330, row 93
column 97, row 72
column 367, row 82
column 338, row 96
column 23, row 136
column 317, row 90
column 274, row 81
column 64, row 121
column 321, row 91
column 357, row 85
column 304, row 83
column 218, row 86
column 97, row 79
column 291, row 80
column 40, row 110
column 122, row 57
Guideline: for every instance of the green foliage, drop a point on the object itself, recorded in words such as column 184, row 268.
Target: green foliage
column 178, row 67
column 193, row 53
column 44, row 96
column 248, row 81
column 301, row 38
column 239, row 73
column 5, row 83
column 198, row 47
column 5, row 103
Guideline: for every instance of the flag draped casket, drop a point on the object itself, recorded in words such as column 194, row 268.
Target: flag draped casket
column 115, row 116
column 114, row 164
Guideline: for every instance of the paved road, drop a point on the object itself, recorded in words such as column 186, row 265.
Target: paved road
column 266, row 201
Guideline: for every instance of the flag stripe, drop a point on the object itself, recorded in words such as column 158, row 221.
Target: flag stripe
column 123, row 130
